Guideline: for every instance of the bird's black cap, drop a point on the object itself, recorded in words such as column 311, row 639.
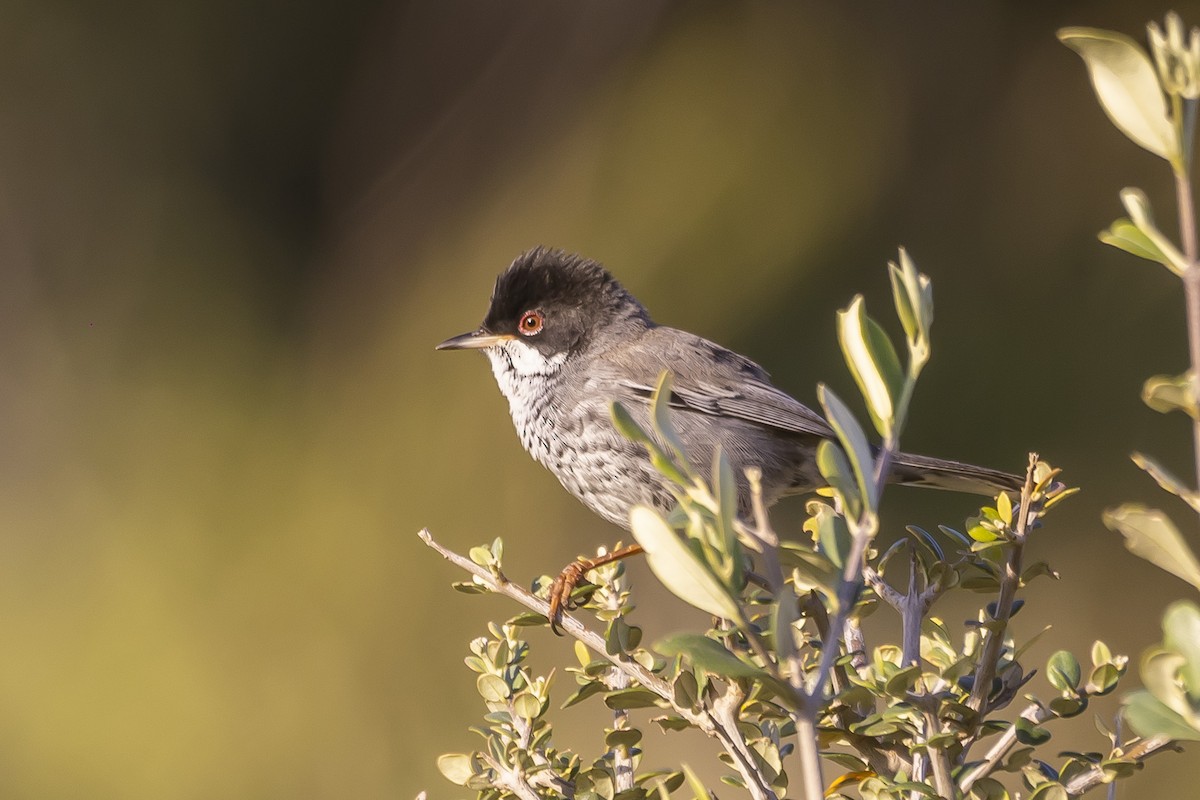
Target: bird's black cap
column 543, row 277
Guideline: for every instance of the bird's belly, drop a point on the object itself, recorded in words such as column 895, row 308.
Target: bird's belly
column 606, row 472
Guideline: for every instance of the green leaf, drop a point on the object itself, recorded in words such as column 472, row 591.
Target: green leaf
column 1124, row 235
column 1138, row 206
column 1127, row 86
column 633, row 697
column 1149, row 717
column 707, row 654
column 527, row 706
column 1103, row 679
column 527, row 619
column 1181, row 633
column 1030, row 733
column 836, row 470
column 492, row 688
column 622, row 737
column 678, row 568
column 912, row 294
column 583, row 693
column 1063, row 672
column 1166, row 393
column 1149, row 534
column 1004, row 508
column 901, row 682
column 672, row 723
column 854, row 443
column 660, row 403
column 1161, row 670
column 626, row 424
column 1166, row 480
column 456, row 767
column 813, row 570
column 726, row 490
column 785, row 612
column 1067, row 707
column 1050, row 790
column 872, row 361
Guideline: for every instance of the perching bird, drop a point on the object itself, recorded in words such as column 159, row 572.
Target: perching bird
column 566, row 340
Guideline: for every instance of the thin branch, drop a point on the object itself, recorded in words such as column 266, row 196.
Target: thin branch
column 1139, row 752
column 511, row 779
column 985, row 671
column 1191, row 292
column 999, row 749
column 622, row 758
column 727, row 734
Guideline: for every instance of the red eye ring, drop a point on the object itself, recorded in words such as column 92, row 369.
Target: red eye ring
column 531, row 323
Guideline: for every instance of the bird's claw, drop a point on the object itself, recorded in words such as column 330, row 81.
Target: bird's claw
column 561, row 590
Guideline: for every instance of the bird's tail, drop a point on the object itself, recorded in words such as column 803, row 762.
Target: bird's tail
column 939, row 473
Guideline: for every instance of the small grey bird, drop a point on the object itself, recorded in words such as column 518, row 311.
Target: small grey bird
column 565, row 340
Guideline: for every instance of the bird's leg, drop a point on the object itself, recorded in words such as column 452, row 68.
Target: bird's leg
column 568, row 579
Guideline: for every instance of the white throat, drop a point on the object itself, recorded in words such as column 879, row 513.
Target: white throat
column 525, row 376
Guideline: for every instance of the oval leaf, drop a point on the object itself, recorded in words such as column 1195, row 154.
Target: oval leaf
column 1166, row 393
column 677, row 567
column 456, row 767
column 1151, row 535
column 1127, row 87
column 872, row 361
column 1062, row 670
column 1181, row 633
column 707, row 654
column 854, row 443
column 1124, row 235
column 1148, row 717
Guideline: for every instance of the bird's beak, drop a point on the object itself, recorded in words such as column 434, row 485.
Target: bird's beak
column 475, row 340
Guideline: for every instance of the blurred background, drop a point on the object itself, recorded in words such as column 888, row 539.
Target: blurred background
column 232, row 231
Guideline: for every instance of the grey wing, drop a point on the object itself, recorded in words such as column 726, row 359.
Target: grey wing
column 713, row 380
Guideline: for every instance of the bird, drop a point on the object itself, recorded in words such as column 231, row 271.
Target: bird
column 566, row 341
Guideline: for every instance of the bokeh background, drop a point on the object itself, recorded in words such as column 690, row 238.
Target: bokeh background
column 232, row 231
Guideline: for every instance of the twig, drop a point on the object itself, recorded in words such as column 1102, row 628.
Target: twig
column 1191, row 291
column 1139, row 752
column 1082, row 782
column 511, row 779
column 985, row 671
column 999, row 749
column 622, row 759
column 727, row 734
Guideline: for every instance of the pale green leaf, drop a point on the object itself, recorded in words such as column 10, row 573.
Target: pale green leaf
column 1127, row 86
column 1124, row 235
column 660, row 403
column 854, row 442
column 1181, row 633
column 912, row 294
column 1167, row 480
column 677, row 567
column 1063, row 672
column 1165, row 393
column 1138, row 206
column 626, row 425
column 835, row 469
column 492, row 688
column 1151, row 535
column 707, row 654
column 872, row 361
column 456, row 767
column 1149, row 717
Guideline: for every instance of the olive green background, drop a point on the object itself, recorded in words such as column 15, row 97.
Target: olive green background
column 231, row 233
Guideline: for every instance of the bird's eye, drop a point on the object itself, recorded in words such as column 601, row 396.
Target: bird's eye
column 531, row 323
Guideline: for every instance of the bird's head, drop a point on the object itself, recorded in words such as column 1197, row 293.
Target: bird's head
column 547, row 306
